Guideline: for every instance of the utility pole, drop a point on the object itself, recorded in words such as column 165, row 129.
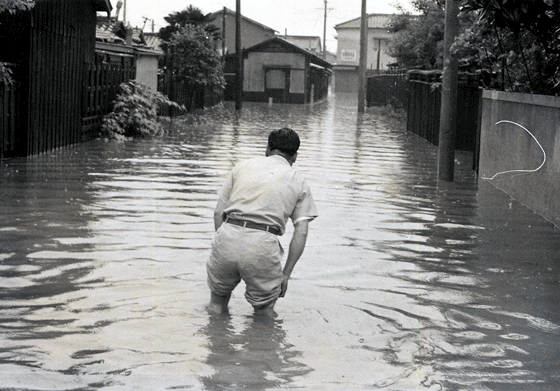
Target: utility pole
column 224, row 34
column 363, row 59
column 124, row 13
column 145, row 20
column 325, row 31
column 448, row 118
column 239, row 54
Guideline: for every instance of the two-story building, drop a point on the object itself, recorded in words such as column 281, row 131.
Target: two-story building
column 252, row 32
column 348, row 52
column 307, row 42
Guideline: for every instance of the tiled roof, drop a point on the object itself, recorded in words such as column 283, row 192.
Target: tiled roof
column 112, row 31
column 105, row 32
column 152, row 40
column 378, row 21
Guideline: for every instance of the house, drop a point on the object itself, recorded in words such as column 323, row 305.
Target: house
column 52, row 46
column 117, row 44
column 348, row 51
column 252, row 32
column 310, row 43
column 280, row 71
column 121, row 54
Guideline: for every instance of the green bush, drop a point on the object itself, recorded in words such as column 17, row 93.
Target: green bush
column 135, row 113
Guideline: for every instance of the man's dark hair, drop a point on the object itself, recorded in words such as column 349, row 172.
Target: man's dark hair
column 285, row 140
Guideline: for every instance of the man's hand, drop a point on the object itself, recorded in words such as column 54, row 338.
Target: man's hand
column 284, row 286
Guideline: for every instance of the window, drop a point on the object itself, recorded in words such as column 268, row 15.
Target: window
column 276, row 78
column 348, row 55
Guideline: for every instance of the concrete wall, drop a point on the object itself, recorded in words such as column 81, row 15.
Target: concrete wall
column 507, row 146
column 147, row 71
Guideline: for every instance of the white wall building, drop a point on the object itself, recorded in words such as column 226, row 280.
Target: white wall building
column 348, row 51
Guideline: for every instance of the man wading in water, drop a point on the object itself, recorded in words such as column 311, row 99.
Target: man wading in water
column 255, row 203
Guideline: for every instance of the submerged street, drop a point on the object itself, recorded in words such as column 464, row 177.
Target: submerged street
column 405, row 284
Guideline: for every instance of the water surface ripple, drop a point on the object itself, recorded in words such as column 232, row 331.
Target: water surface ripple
column 405, row 284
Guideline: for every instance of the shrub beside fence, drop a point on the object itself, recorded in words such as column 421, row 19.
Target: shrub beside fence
column 424, row 105
column 8, row 122
column 101, row 88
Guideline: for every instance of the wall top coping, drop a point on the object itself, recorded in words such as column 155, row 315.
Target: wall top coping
column 516, row 97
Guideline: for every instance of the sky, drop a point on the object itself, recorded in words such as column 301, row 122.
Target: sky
column 298, row 17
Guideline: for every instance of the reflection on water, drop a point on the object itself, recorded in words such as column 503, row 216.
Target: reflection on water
column 254, row 358
column 405, row 284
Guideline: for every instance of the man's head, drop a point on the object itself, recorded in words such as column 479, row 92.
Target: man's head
column 285, row 141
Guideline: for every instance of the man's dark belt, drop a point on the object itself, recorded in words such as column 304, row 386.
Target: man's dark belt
column 250, row 224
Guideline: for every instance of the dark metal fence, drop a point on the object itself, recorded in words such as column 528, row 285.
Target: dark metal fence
column 387, row 88
column 424, row 105
column 101, row 88
column 8, row 120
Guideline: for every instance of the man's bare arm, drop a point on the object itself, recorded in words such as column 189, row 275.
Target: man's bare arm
column 297, row 244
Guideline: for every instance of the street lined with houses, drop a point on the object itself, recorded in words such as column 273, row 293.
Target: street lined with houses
column 434, row 263
column 405, row 283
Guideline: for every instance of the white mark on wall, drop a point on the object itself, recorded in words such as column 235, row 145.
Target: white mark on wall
column 534, row 138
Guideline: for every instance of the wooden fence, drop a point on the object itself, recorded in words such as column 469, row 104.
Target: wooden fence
column 387, row 88
column 191, row 96
column 8, row 120
column 61, row 42
column 424, row 105
column 100, row 90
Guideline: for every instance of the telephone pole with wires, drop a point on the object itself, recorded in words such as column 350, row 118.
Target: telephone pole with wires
column 363, row 58
column 325, row 31
column 145, row 20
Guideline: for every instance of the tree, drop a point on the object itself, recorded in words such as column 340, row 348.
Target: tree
column 513, row 44
column 196, row 59
column 12, row 7
column 516, row 43
column 418, row 39
column 189, row 16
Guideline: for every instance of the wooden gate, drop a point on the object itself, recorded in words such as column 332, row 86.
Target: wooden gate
column 8, row 121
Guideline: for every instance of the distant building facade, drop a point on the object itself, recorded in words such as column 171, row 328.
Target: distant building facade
column 279, row 70
column 252, row 32
column 310, row 43
column 348, row 51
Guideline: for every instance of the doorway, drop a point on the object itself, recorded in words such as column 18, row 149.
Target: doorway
column 277, row 84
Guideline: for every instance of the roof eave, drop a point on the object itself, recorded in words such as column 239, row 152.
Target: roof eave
column 314, row 58
column 102, row 6
column 245, row 18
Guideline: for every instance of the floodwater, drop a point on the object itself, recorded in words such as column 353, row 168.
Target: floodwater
column 404, row 285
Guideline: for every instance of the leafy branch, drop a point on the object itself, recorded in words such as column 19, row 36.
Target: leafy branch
column 135, row 113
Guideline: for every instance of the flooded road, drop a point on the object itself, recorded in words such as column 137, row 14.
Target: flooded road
column 404, row 284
